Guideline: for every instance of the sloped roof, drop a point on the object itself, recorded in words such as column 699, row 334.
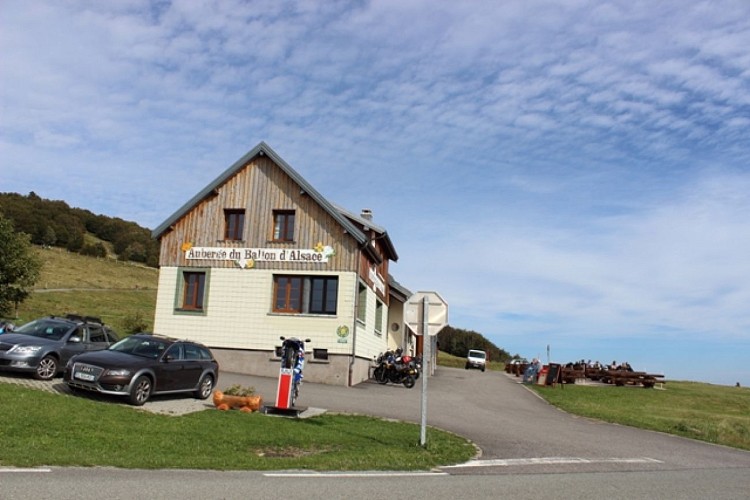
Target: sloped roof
column 369, row 224
column 263, row 149
column 398, row 290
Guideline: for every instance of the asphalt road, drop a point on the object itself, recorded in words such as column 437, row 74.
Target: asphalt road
column 528, row 449
column 516, row 431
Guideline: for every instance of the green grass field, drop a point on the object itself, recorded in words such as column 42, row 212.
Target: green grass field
column 713, row 413
column 105, row 288
column 45, row 429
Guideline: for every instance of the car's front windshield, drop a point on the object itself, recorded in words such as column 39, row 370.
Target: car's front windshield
column 45, row 328
column 146, row 347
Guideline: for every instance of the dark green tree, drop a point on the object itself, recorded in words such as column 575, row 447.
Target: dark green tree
column 55, row 223
column 19, row 267
column 457, row 341
column 94, row 250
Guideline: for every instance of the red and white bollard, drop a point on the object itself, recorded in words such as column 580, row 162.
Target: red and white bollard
column 284, row 389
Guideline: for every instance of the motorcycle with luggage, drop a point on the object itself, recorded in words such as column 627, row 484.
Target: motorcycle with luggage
column 392, row 367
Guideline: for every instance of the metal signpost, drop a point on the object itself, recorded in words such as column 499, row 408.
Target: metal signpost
column 426, row 313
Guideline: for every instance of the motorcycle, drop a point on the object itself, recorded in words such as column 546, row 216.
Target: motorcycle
column 392, row 367
column 293, row 357
column 415, row 363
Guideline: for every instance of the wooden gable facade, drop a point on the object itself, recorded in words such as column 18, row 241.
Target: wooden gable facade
column 224, row 247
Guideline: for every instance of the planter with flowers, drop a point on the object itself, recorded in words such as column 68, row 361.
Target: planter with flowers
column 240, row 397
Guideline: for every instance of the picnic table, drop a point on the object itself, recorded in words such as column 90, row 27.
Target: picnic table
column 571, row 374
column 626, row 377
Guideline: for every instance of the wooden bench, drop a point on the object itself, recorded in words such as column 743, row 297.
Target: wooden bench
column 624, row 377
column 570, row 375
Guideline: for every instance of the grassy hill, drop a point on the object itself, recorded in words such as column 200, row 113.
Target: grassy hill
column 112, row 290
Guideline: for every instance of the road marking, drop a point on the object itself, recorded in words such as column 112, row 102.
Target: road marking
column 354, row 474
column 513, row 462
column 13, row 469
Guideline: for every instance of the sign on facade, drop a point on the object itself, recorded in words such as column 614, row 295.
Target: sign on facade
column 246, row 257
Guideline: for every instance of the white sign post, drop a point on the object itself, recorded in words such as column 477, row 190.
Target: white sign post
column 426, row 313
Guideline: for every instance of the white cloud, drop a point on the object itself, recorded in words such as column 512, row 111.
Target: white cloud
column 589, row 156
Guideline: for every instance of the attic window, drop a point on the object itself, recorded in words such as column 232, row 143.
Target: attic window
column 283, row 225
column 234, row 222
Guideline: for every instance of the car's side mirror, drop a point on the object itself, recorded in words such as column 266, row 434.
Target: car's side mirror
column 75, row 339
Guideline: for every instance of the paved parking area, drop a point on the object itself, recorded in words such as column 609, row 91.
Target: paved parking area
column 174, row 405
column 165, row 405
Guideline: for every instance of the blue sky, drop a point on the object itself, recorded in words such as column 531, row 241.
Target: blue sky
column 573, row 174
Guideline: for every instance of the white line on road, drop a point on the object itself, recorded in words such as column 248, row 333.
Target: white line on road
column 14, row 469
column 354, row 474
column 512, row 462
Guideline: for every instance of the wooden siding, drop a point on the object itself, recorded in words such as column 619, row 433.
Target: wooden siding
column 260, row 188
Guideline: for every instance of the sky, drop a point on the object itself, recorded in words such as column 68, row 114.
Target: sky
column 572, row 177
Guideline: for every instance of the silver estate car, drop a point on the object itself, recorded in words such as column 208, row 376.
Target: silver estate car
column 42, row 347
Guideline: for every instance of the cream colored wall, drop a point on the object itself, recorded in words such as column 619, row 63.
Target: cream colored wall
column 396, row 316
column 370, row 343
column 238, row 312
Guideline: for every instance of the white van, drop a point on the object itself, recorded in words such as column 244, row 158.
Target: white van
column 476, row 359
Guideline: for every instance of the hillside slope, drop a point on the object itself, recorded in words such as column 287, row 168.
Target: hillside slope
column 117, row 292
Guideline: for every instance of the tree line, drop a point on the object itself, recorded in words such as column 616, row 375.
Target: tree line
column 457, row 342
column 54, row 223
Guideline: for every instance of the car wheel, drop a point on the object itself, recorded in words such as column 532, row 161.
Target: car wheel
column 205, row 387
column 46, row 369
column 467, row 366
column 140, row 391
column 483, row 368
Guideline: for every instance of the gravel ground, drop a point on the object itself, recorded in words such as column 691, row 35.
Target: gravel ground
column 166, row 405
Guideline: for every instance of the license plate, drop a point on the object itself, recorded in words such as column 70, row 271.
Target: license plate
column 84, row 376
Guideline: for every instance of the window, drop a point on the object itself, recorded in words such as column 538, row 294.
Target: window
column 175, row 352
column 283, row 225
column 305, row 294
column 192, row 352
column 287, row 294
column 111, row 336
column 234, row 222
column 378, row 316
column 362, row 303
column 194, row 288
column 96, row 334
column 323, row 295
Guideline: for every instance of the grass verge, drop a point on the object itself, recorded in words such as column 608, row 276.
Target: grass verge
column 713, row 413
column 44, row 429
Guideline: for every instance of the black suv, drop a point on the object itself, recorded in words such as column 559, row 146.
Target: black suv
column 145, row 364
column 43, row 346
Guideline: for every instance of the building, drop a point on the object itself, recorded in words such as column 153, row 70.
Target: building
column 259, row 254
